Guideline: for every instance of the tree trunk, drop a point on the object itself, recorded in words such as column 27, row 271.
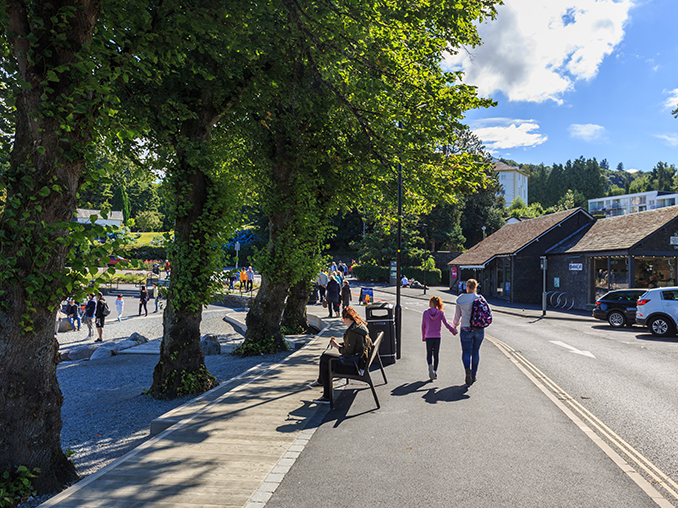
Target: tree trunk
column 263, row 319
column 294, row 316
column 53, row 125
column 181, row 369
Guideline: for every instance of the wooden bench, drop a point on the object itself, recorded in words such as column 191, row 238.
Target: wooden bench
column 359, row 374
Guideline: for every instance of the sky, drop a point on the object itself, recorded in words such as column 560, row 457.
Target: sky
column 572, row 78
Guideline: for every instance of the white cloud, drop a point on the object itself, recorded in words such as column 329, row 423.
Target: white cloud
column 669, row 139
column 671, row 102
column 536, row 50
column 587, row 132
column 502, row 133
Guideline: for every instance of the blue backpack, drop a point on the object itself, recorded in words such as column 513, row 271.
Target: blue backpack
column 481, row 315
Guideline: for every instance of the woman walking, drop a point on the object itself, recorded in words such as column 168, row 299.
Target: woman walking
column 430, row 333
column 100, row 314
column 143, row 300
column 471, row 338
column 356, row 341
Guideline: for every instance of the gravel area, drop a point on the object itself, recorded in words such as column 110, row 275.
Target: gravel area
column 105, row 412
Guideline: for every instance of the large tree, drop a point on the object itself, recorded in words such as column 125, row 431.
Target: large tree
column 350, row 71
column 58, row 67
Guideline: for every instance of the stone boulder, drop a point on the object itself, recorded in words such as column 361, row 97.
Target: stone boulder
column 82, row 352
column 138, row 338
column 124, row 344
column 101, row 352
column 209, row 345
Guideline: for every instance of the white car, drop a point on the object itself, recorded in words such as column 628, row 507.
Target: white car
column 658, row 310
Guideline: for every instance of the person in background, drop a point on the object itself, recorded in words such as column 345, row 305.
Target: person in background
column 345, row 295
column 73, row 314
column 322, row 284
column 404, row 282
column 155, row 293
column 143, row 300
column 243, row 278
column 120, row 305
column 250, row 279
column 430, row 333
column 99, row 316
column 333, row 296
column 88, row 316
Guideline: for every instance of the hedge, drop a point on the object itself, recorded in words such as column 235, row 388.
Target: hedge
column 372, row 273
column 146, row 252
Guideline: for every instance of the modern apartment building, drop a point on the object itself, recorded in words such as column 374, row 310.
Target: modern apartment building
column 513, row 182
column 612, row 206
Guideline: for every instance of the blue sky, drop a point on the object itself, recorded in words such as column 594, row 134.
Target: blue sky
column 592, row 78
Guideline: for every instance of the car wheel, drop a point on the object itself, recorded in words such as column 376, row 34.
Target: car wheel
column 616, row 319
column 660, row 327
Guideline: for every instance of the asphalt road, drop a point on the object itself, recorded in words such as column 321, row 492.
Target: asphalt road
column 504, row 441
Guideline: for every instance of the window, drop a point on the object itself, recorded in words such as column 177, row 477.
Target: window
column 670, row 295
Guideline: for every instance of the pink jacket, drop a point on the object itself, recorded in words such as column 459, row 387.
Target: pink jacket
column 430, row 324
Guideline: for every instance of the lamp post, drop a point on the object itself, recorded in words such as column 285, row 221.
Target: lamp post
column 483, row 228
column 398, row 308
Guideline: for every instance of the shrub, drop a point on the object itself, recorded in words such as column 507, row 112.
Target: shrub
column 17, row 487
column 372, row 273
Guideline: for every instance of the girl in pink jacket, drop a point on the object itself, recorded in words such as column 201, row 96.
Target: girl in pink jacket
column 430, row 333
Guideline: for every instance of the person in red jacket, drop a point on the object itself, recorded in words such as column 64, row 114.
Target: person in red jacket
column 430, row 333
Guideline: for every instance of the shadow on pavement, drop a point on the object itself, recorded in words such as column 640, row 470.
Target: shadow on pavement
column 431, row 394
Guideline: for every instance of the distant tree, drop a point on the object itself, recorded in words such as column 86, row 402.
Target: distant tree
column 604, row 164
column 442, row 230
column 614, row 190
column 620, row 166
column 661, row 177
column 148, row 221
column 640, row 184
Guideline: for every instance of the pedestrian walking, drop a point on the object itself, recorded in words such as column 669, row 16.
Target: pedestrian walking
column 119, row 306
column 333, row 296
column 357, row 341
column 88, row 316
column 155, row 293
column 322, row 284
column 471, row 337
column 143, row 300
column 250, row 279
column 431, row 322
column 73, row 314
column 100, row 314
column 243, row 279
column 345, row 295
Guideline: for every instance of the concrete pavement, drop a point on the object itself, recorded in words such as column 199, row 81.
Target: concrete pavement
column 258, row 441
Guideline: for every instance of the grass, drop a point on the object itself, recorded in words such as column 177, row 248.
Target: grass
column 147, row 238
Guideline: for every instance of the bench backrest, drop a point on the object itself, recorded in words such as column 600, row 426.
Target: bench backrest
column 375, row 349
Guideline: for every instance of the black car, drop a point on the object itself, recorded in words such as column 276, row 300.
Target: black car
column 618, row 307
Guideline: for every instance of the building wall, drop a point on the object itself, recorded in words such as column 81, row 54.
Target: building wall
column 515, row 185
column 631, row 203
column 572, row 284
column 527, row 286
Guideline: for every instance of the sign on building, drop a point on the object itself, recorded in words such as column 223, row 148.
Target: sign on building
column 576, row 267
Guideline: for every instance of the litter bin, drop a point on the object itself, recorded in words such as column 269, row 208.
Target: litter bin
column 380, row 318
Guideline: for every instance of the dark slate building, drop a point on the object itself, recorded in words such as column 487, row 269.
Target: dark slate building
column 508, row 263
column 638, row 250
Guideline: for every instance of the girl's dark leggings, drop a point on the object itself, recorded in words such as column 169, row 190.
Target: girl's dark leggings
column 432, row 350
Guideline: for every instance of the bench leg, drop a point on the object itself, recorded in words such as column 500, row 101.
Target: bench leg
column 374, row 392
column 381, row 366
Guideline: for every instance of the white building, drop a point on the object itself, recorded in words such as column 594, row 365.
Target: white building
column 513, row 182
column 631, row 203
column 114, row 218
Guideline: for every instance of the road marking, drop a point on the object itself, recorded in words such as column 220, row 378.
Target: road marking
column 562, row 400
column 573, row 349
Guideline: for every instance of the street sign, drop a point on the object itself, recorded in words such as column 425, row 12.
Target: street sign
column 237, row 246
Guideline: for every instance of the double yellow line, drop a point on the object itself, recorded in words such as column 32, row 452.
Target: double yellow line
column 597, row 431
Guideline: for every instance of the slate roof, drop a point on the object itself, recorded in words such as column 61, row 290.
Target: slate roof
column 512, row 238
column 617, row 233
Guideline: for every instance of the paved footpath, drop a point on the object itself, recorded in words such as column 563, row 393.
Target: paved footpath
column 231, row 449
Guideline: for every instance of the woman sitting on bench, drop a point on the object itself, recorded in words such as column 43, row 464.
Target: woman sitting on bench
column 356, row 342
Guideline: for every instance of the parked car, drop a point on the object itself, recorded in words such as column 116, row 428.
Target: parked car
column 657, row 309
column 618, row 307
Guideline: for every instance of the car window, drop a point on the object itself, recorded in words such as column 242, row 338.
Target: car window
column 612, row 297
column 633, row 296
column 670, row 295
